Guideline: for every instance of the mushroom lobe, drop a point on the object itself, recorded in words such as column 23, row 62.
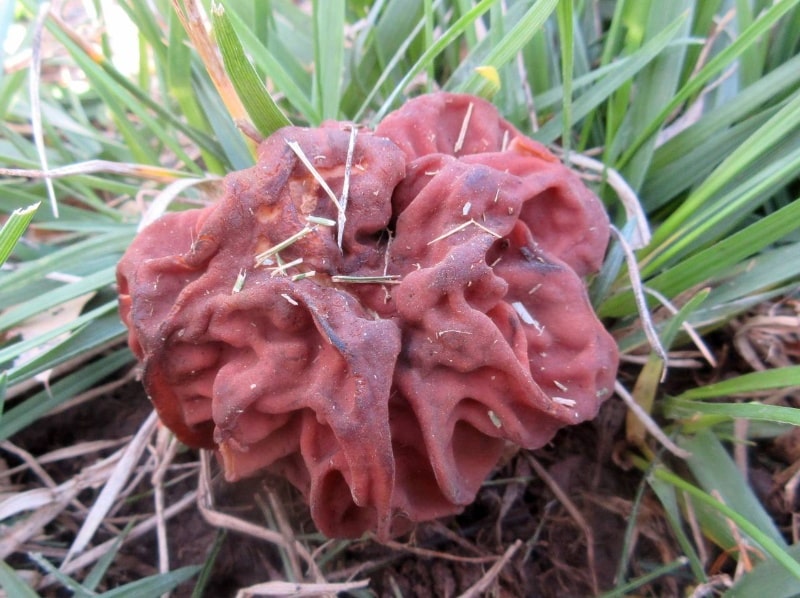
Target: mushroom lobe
column 377, row 342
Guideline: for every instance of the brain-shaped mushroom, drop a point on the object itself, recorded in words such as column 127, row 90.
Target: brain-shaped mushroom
column 379, row 341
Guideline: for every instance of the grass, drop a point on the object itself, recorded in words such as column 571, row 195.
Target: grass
column 695, row 104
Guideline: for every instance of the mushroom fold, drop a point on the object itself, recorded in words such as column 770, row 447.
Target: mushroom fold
column 374, row 314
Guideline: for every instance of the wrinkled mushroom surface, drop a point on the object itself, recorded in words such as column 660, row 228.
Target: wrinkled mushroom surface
column 385, row 400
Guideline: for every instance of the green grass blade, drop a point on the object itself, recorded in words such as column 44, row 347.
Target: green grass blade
column 56, row 297
column 432, row 52
column 155, row 585
column 625, row 589
column 101, row 567
column 617, row 76
column 716, row 473
column 775, row 549
column 714, row 66
column 669, row 238
column 747, row 383
column 31, row 410
column 667, row 496
column 716, row 260
column 65, row 580
column 752, row 411
column 512, row 42
column 17, row 349
column 329, row 46
column 767, row 579
column 103, row 331
column 179, row 79
column 13, row 584
column 14, row 228
column 265, row 60
column 657, row 81
column 263, row 110
column 566, row 18
column 206, row 573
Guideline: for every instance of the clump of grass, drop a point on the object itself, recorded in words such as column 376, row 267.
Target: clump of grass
column 693, row 108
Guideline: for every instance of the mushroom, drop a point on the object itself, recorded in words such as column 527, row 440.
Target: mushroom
column 374, row 314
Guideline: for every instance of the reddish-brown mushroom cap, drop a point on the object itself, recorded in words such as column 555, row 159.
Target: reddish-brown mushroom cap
column 386, row 400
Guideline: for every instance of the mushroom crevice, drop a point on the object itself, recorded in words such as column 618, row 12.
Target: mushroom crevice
column 378, row 342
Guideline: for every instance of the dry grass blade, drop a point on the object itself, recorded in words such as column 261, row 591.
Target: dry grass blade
column 295, row 147
column 191, row 17
column 47, row 503
column 145, row 171
column 165, row 451
column 36, row 106
column 687, row 327
column 139, row 530
column 71, row 452
column 348, row 166
column 122, row 472
column 627, row 196
column 165, row 197
column 222, row 520
column 435, row 554
column 649, row 423
column 641, row 302
column 485, row 582
column 285, row 588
